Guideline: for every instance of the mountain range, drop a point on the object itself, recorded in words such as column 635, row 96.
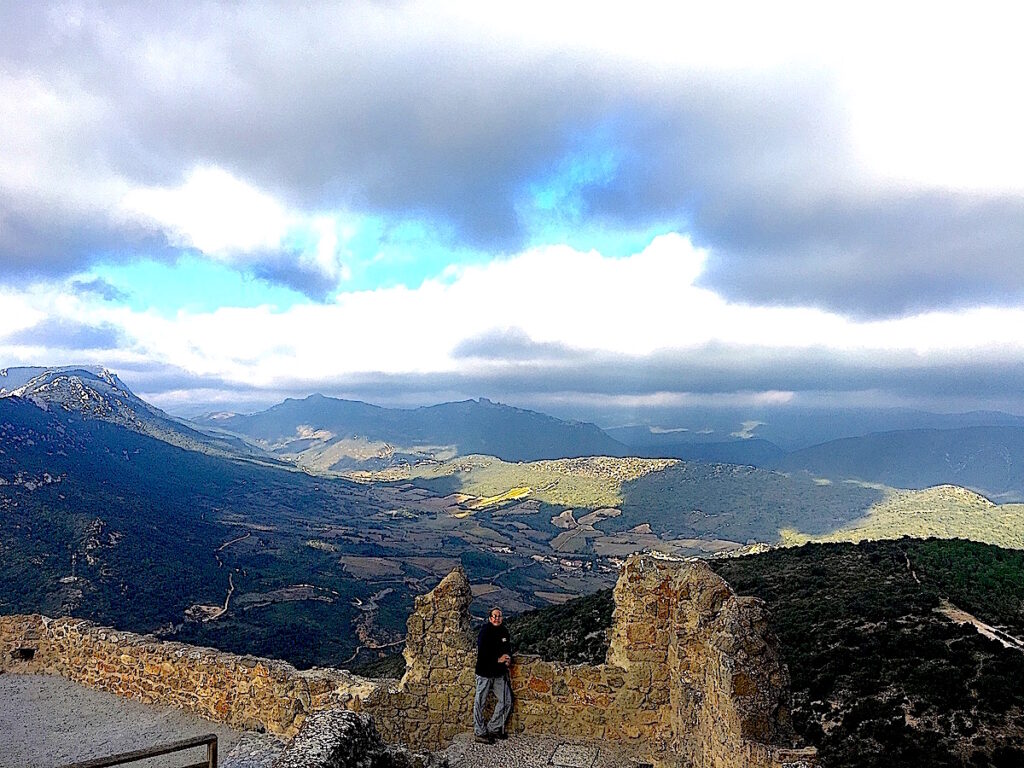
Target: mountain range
column 791, row 427
column 329, row 434
column 244, row 533
column 324, row 435
column 114, row 511
column 989, row 459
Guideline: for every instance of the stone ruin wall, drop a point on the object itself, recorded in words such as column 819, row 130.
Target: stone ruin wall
column 692, row 676
column 244, row 692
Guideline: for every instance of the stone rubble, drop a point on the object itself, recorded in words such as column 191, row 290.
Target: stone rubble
column 253, row 750
column 535, row 752
column 342, row 739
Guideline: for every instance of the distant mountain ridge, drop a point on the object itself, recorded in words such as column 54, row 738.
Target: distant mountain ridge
column 334, row 434
column 694, row 446
column 792, row 428
column 986, row 459
column 981, row 451
column 94, row 392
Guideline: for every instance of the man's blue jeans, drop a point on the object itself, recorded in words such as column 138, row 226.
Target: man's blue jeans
column 502, row 708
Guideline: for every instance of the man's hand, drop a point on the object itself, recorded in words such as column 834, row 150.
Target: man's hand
column 505, row 659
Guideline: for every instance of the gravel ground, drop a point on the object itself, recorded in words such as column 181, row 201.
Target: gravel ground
column 49, row 721
column 534, row 752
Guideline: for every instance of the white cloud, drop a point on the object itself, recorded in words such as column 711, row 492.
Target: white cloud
column 638, row 311
column 18, row 311
column 212, row 211
column 646, row 303
column 927, row 88
column 923, row 96
column 931, row 101
column 48, row 132
column 229, row 220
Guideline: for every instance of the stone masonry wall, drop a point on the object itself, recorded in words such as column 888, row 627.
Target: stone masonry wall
column 692, row 676
column 242, row 691
column 712, row 654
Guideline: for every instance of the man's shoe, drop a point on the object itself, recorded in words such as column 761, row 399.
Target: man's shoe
column 498, row 735
column 488, row 739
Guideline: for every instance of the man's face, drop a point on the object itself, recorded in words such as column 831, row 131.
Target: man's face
column 495, row 617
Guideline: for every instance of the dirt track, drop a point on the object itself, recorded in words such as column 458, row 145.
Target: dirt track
column 992, row 633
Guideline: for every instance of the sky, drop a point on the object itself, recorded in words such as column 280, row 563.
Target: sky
column 549, row 204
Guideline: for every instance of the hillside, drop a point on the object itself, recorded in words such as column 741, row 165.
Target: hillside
column 981, row 451
column 328, row 434
column 105, row 523
column 612, row 507
column 108, row 524
column 96, row 393
column 987, row 459
column 944, row 512
column 880, row 677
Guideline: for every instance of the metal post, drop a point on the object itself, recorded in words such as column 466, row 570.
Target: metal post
column 211, row 754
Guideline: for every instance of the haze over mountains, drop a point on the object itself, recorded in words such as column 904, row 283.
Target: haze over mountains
column 988, row 459
column 983, row 451
column 332, row 434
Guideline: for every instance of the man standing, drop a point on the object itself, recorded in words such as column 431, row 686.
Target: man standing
column 493, row 659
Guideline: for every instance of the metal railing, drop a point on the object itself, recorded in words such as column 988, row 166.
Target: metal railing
column 210, row 741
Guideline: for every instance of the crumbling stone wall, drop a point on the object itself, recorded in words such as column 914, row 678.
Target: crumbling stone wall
column 692, row 676
column 711, row 657
column 244, row 692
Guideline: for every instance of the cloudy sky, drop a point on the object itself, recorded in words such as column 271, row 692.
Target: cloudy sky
column 543, row 203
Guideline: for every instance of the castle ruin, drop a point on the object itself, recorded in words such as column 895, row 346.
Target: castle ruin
column 693, row 676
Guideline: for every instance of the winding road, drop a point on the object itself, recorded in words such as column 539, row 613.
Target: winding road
column 227, row 601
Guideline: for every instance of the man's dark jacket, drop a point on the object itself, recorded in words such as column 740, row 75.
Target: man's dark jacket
column 491, row 644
